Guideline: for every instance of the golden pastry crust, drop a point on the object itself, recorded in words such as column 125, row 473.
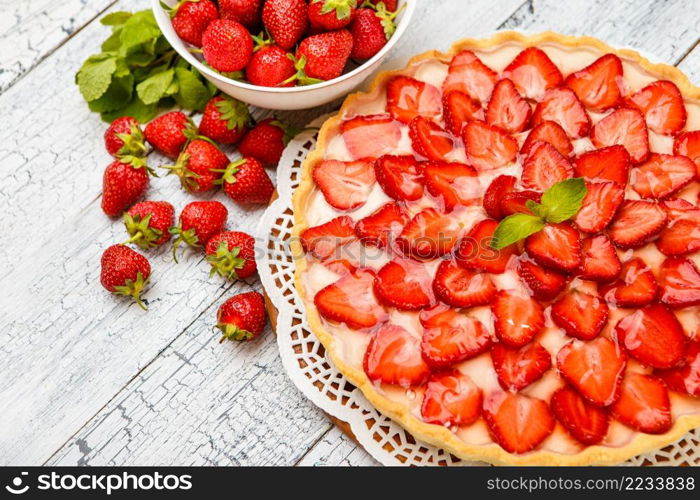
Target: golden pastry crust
column 436, row 434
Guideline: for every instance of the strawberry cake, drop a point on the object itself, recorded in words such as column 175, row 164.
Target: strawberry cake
column 500, row 246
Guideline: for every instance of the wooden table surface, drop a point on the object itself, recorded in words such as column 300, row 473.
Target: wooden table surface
column 89, row 379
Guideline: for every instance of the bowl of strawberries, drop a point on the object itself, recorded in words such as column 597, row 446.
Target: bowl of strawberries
column 284, row 54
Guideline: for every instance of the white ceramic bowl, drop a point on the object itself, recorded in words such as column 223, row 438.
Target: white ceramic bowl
column 287, row 97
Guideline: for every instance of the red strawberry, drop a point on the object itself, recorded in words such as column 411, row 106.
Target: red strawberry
column 518, row 317
column 350, row 300
column 329, row 15
column 516, row 202
column 341, row 267
column 454, row 183
column 429, row 234
column 543, row 283
column 599, row 259
column 499, row 187
column 644, row 404
column 404, row 284
column 458, row 109
column 199, row 166
column 610, row 163
column 507, row 109
column 371, row 136
column 561, row 106
column 242, row 317
column 124, row 272
column 518, row 368
column 429, row 139
column 663, row 175
column 191, row 18
column 148, row 223
column 599, row 85
column 124, row 181
column 599, row 206
column 382, row 227
column 685, row 378
column 662, row 105
column 533, row 73
column 322, row 241
column 224, row 120
column 407, row 98
column 460, row 287
column 266, row 141
column 246, row 12
column 679, row 280
column 231, row 254
column 688, row 144
column 625, row 127
column 517, row 422
column 227, row 46
column 401, row 177
column 345, row 185
column 682, row 235
column 125, row 138
column 544, row 167
column 323, row 56
column 474, row 251
column 488, row 147
column 393, row 357
column 451, row 398
column 450, row 337
column 588, row 424
column 581, row 315
column 199, row 221
column 551, row 132
column 169, row 133
column 285, row 21
column 594, row 368
column 557, row 247
column 368, row 33
column 271, row 66
column 636, row 223
column 391, row 5
column 469, row 75
column 635, row 287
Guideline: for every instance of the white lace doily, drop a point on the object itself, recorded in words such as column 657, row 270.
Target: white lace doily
column 315, row 376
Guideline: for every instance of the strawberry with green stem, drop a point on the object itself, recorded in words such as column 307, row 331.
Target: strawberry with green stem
column 322, row 57
column 125, row 138
column 266, row 141
column 285, row 21
column 245, row 181
column 271, row 65
column 169, row 133
column 242, row 317
column 148, row 223
column 123, row 183
column 227, row 46
column 124, row 272
column 231, row 254
column 224, row 120
column 330, row 15
column 191, row 17
column 198, row 166
column 199, row 221
column 371, row 29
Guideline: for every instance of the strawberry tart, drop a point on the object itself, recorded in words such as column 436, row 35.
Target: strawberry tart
column 500, row 246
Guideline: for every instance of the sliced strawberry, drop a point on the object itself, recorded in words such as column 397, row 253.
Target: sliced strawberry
column 450, row 337
column 594, row 368
column 636, row 223
column 469, row 75
column 533, row 73
column 581, row 315
column 429, row 234
column 498, row 188
column 350, row 300
column 652, row 335
column 322, row 241
column 345, row 185
column 688, row 144
column 551, row 132
column 682, row 235
column 507, row 109
column 371, row 136
column 401, row 177
column 544, row 167
column 451, row 398
column 458, row 109
column 544, row 284
column 407, row 98
column 611, row 163
column 599, row 206
column 518, row 368
column 598, row 85
column 342, row 267
column 636, row 286
column 662, row 105
column 662, row 175
column 404, row 284
column 382, row 227
column 429, row 139
column 644, row 404
column 561, row 106
column 474, row 251
column 516, row 202
column 679, row 280
column 393, row 357
column 488, row 147
column 517, row 422
column 557, row 247
column 625, row 127
column 453, row 183
column 686, row 377
column 518, row 317
column 461, row 287
column 599, row 260
column 588, row 424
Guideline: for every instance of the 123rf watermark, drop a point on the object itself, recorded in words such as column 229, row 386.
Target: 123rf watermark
column 623, row 483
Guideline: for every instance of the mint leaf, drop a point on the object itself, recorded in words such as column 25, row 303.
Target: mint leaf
column 95, row 75
column 142, row 112
column 192, row 93
column 139, row 28
column 536, row 208
column 563, row 200
column 151, row 90
column 115, row 18
column 515, row 228
column 118, row 94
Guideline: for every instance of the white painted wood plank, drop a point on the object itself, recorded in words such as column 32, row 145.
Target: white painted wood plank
column 335, row 448
column 690, row 65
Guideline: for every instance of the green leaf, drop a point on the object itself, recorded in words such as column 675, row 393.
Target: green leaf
column 142, row 112
column 113, row 42
column 116, row 18
column 536, row 208
column 151, row 90
column 95, row 76
column 139, row 28
column 563, row 200
column 192, row 94
column 140, row 59
column 515, row 228
column 118, row 94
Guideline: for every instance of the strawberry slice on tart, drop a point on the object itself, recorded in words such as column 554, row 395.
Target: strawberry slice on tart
column 516, row 368
column 636, row 223
column 626, row 127
column 469, row 75
column 451, row 398
column 345, row 185
column 610, row 163
column 662, row 105
column 408, row 98
column 404, row 284
column 401, row 177
column 635, row 287
column 544, row 167
column 557, row 247
column 394, row 357
column 599, row 260
column 474, row 251
column 561, row 106
column 517, row 317
column 599, row 85
column 588, row 424
column 458, row 109
column 599, row 206
column 682, row 235
column 499, row 187
column 686, row 377
column 515, row 202
column 452, row 183
column 662, row 175
column 679, row 283
column 688, row 144
column 552, row 133
column 507, row 109
column 544, row 284
column 533, row 73
column 461, row 287
column 488, row 147
column 429, row 139
column 581, row 315
column 644, row 404
column 381, row 228
column 371, row 136
column 322, row 241
column 429, row 234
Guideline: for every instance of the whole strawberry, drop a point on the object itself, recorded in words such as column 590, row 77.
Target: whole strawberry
column 242, row 317
column 169, row 133
column 198, row 166
column 330, row 15
column 246, row 12
column 124, row 137
column 245, row 181
column 224, row 120
column 199, row 221
column 191, row 18
column 324, row 56
column 271, row 66
column 285, row 21
column 124, row 272
column 123, row 183
column 227, row 46
column 266, row 141
column 148, row 223
column 371, row 29
column 231, row 255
